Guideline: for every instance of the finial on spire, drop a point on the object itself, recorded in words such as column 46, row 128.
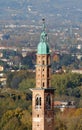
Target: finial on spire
column 43, row 36
column 43, row 19
column 43, row 24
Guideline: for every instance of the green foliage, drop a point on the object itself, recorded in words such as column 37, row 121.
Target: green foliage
column 66, row 60
column 70, row 119
column 15, row 104
column 60, row 125
column 13, row 99
column 26, row 84
column 16, row 120
column 29, row 60
column 15, row 110
column 8, row 53
column 22, row 80
column 67, row 84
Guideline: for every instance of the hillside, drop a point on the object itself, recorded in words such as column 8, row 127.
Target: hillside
column 24, row 9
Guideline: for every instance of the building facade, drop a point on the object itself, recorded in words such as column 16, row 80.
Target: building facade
column 43, row 94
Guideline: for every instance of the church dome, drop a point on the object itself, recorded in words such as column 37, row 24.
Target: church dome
column 43, row 48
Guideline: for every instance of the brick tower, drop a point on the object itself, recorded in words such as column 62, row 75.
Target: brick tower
column 43, row 94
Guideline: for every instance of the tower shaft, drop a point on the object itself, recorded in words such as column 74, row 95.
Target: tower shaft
column 43, row 94
column 43, row 71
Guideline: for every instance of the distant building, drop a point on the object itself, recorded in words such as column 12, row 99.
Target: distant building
column 1, row 68
column 1, row 36
column 79, row 46
column 79, row 71
column 24, row 54
column 3, row 80
column 62, row 105
column 79, row 56
column 1, row 55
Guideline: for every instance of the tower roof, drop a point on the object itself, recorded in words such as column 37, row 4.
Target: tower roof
column 43, row 47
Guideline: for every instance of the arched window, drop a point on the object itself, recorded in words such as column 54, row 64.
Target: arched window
column 48, row 102
column 38, row 102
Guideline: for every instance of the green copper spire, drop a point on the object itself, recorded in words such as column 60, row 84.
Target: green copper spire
column 43, row 47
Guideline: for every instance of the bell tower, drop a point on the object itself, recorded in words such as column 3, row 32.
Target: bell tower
column 43, row 94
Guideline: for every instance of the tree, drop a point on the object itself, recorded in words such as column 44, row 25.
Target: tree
column 16, row 79
column 16, row 120
column 67, row 84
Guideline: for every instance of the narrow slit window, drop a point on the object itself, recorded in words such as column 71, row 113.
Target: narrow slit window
column 43, row 75
column 43, row 84
column 43, row 62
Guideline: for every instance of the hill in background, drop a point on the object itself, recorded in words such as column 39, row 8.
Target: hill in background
column 57, row 10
